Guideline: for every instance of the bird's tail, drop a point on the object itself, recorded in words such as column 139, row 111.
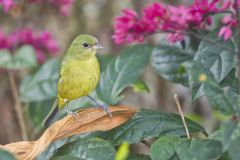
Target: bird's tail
column 51, row 115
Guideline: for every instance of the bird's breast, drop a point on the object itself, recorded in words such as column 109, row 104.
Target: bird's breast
column 78, row 78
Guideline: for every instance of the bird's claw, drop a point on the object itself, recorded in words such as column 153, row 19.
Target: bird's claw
column 105, row 108
column 73, row 114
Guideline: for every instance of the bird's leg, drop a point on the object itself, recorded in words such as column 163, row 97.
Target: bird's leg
column 104, row 107
column 71, row 113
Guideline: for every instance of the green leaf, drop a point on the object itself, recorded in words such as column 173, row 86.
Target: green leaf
column 167, row 60
column 4, row 155
column 229, row 131
column 42, row 85
column 195, row 70
column 147, row 124
column 234, row 149
column 164, row 148
column 37, row 111
column 104, row 60
column 201, row 82
column 138, row 157
column 82, row 149
column 230, row 138
column 167, row 147
column 199, row 149
column 219, row 61
column 140, row 86
column 218, row 99
column 23, row 58
column 121, row 72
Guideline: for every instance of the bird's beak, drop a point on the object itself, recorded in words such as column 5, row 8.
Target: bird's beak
column 98, row 46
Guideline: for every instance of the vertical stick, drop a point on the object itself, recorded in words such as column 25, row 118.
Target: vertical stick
column 181, row 114
column 17, row 105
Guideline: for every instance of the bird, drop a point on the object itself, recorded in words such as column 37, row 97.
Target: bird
column 79, row 75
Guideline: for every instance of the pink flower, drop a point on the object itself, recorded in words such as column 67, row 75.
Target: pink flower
column 7, row 4
column 4, row 42
column 180, row 16
column 205, row 6
column 226, row 32
column 154, row 15
column 43, row 43
column 46, row 41
column 64, row 6
column 41, row 57
column 229, row 20
column 175, row 37
column 128, row 28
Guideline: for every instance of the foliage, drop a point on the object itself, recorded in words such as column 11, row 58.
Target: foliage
column 202, row 58
column 5, row 155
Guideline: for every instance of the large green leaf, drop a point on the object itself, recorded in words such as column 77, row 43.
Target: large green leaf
column 42, row 85
column 194, row 70
column 86, row 149
column 167, row 60
column 229, row 135
column 229, row 132
column 121, row 72
column 167, row 147
column 233, row 149
column 4, row 155
column 218, row 98
column 23, row 58
column 201, row 82
column 219, row 61
column 147, row 124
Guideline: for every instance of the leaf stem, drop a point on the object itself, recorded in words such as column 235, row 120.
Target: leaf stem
column 17, row 105
column 181, row 114
column 198, row 36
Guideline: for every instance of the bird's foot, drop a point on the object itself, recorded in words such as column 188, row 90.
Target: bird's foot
column 105, row 108
column 73, row 114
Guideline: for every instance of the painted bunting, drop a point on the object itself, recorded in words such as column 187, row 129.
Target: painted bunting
column 79, row 75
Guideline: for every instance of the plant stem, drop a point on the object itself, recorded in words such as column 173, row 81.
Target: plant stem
column 181, row 114
column 238, row 45
column 190, row 33
column 209, row 41
column 17, row 105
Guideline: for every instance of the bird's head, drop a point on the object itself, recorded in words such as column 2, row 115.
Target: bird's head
column 85, row 45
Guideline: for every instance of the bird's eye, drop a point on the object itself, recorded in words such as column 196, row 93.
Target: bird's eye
column 85, row 45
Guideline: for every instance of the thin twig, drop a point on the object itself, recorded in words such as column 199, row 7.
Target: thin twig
column 181, row 114
column 17, row 105
column 208, row 40
column 198, row 36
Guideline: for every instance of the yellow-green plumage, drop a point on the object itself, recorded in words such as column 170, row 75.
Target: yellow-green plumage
column 79, row 72
column 78, row 78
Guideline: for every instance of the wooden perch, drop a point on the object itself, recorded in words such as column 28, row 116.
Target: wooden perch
column 89, row 120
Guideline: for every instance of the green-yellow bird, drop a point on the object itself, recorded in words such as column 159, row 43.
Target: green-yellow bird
column 79, row 74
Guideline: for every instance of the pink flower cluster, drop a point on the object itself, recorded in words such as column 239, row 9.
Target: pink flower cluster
column 173, row 20
column 7, row 4
column 64, row 6
column 43, row 43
